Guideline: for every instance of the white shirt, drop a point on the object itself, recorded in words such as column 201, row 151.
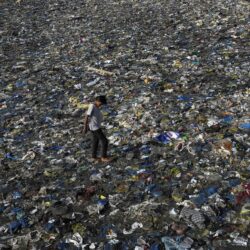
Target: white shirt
column 95, row 117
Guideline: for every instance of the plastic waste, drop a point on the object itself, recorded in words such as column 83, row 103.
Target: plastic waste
column 176, row 80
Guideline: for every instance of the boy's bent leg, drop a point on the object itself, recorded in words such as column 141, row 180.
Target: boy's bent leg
column 95, row 140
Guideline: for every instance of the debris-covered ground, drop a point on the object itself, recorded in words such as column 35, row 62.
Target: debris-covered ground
column 176, row 75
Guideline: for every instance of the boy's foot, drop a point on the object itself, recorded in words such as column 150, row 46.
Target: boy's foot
column 106, row 159
column 95, row 159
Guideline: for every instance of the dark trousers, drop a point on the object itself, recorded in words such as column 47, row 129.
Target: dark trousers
column 97, row 136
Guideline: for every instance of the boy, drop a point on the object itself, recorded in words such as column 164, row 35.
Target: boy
column 93, row 122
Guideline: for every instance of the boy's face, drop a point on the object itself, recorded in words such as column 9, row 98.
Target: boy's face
column 98, row 104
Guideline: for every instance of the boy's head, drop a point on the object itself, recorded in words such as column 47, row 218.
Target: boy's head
column 100, row 100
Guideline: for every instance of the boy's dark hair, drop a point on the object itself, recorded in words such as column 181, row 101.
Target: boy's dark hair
column 102, row 99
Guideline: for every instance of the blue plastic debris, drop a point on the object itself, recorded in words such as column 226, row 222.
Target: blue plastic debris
column 163, row 138
column 20, row 84
column 245, row 126
column 16, row 195
column 184, row 98
column 10, row 156
column 14, row 226
column 227, row 119
column 49, row 227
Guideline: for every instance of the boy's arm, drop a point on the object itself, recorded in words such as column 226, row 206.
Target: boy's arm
column 86, row 120
column 85, row 127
